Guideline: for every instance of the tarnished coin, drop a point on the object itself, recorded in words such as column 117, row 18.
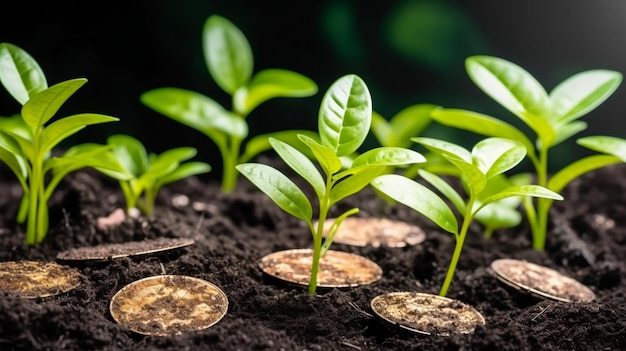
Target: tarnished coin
column 357, row 231
column 426, row 313
column 168, row 304
column 32, row 279
column 337, row 269
column 540, row 281
column 107, row 252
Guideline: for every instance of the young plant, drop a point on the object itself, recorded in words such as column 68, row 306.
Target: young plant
column 142, row 175
column 230, row 62
column 553, row 118
column 344, row 121
column 488, row 158
column 27, row 140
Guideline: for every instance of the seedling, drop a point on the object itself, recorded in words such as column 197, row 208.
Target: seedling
column 26, row 142
column 344, row 120
column 487, row 159
column 143, row 174
column 553, row 117
column 230, row 62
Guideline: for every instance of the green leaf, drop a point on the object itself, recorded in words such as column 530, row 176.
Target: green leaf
column 472, row 175
column 409, row 122
column 324, row 156
column 183, row 171
column 130, row 153
column 195, row 110
column 583, row 92
column 168, row 161
column 481, row 124
column 272, row 83
column 16, row 164
column 563, row 177
column 522, row 190
column 345, row 115
column 445, row 188
column 419, row 198
column 330, row 236
column 278, row 188
column 227, row 54
column 388, row 156
column 497, row 216
column 63, row 128
column 20, row 74
column 260, row 143
column 41, row 107
column 605, row 144
column 566, row 131
column 440, row 147
column 301, row 164
column 509, row 84
column 357, row 179
column 494, row 156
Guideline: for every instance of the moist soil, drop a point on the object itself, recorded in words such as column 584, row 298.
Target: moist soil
column 232, row 232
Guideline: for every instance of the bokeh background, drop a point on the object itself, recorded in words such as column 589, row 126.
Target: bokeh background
column 407, row 51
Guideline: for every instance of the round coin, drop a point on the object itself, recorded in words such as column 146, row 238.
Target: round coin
column 168, row 304
column 32, row 279
column 107, row 252
column 357, row 231
column 337, row 269
column 540, row 281
column 426, row 313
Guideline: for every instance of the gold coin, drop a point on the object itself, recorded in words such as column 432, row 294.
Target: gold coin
column 426, row 313
column 540, row 281
column 107, row 252
column 32, row 279
column 168, row 304
column 357, row 231
column 337, row 269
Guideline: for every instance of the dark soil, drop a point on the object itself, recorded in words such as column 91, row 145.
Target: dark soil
column 232, row 232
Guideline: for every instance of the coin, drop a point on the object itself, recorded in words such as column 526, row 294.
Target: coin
column 32, row 279
column 107, row 252
column 168, row 304
column 358, row 231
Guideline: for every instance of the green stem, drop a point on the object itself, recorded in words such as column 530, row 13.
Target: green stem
column 317, row 238
column 230, row 158
column 35, row 184
column 458, row 247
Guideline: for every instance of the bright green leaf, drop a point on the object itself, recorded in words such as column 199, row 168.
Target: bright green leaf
column 227, row 54
column 419, row 198
column 279, row 188
column 563, row 177
column 345, row 115
column 300, row 164
column 41, row 107
column 606, row 144
column 497, row 155
column 324, row 156
column 59, row 130
column 20, row 74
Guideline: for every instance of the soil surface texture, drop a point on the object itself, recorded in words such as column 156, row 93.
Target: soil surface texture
column 232, row 232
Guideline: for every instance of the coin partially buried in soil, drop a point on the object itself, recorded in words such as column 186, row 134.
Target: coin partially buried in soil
column 358, row 231
column 540, row 281
column 33, row 279
column 337, row 269
column 168, row 304
column 107, row 252
column 426, row 313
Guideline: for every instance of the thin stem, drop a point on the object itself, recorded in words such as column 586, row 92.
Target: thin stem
column 458, row 247
column 317, row 237
column 229, row 173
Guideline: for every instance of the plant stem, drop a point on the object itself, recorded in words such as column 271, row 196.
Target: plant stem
column 229, row 173
column 458, row 247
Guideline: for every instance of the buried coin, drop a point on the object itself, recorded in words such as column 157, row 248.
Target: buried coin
column 427, row 313
column 168, row 304
column 377, row 232
column 337, row 269
column 33, row 279
column 106, row 252
column 540, row 281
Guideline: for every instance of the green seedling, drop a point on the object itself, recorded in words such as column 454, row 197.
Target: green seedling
column 143, row 174
column 488, row 158
column 553, row 118
column 27, row 140
column 230, row 63
column 344, row 121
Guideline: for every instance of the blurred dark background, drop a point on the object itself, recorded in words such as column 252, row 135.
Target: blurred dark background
column 407, row 51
